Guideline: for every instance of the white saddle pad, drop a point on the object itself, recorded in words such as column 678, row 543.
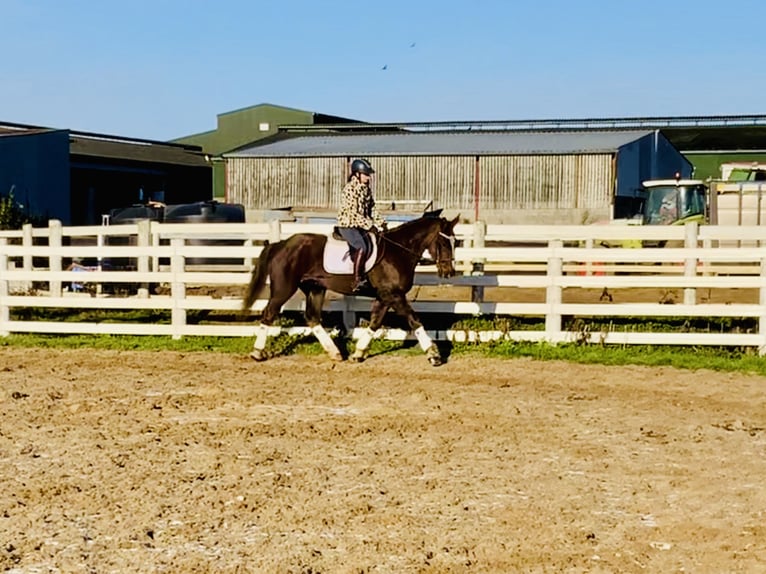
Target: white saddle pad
column 337, row 260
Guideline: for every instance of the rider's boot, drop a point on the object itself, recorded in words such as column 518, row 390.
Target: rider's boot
column 360, row 278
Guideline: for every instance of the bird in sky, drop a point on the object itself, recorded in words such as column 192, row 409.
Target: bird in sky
column 385, row 67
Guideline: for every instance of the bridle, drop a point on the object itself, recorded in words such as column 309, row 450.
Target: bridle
column 439, row 260
column 444, row 260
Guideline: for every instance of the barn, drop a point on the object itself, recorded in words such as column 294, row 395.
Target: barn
column 565, row 176
column 245, row 126
column 77, row 177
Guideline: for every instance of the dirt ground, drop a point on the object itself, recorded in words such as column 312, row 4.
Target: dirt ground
column 204, row 462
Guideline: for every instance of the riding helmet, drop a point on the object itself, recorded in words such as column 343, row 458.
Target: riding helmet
column 361, row 166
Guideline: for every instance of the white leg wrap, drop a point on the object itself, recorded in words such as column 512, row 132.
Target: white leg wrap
column 364, row 339
column 423, row 338
column 262, row 333
column 325, row 340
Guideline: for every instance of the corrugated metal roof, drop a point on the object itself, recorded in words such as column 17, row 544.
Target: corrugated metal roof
column 477, row 143
column 117, row 147
column 136, row 151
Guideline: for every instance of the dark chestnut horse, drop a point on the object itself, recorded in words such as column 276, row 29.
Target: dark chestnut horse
column 296, row 263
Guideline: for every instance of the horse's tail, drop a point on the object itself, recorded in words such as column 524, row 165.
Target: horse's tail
column 258, row 278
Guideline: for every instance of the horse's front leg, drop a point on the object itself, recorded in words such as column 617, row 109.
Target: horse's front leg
column 402, row 307
column 377, row 312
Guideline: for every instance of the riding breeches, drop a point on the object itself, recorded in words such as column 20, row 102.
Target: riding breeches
column 357, row 238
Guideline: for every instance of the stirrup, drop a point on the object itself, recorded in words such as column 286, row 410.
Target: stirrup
column 360, row 284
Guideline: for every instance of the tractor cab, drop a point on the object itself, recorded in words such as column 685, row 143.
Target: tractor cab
column 674, row 201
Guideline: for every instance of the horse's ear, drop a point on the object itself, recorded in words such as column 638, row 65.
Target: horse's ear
column 454, row 222
column 433, row 214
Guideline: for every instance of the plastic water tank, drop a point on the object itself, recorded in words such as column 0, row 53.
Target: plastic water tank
column 208, row 212
column 126, row 216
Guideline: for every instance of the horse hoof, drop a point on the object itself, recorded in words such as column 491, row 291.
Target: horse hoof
column 258, row 356
column 435, row 361
column 336, row 358
column 357, row 358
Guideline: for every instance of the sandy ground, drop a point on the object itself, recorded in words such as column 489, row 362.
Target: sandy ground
column 203, row 462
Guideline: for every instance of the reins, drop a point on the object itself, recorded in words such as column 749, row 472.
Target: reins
column 418, row 256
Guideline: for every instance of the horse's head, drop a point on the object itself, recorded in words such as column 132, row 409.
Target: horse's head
column 442, row 248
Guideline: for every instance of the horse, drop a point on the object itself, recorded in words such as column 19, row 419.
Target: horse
column 297, row 263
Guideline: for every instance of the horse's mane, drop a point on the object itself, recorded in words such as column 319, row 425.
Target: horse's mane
column 407, row 227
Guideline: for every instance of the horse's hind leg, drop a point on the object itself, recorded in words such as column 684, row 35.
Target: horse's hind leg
column 377, row 312
column 261, row 336
column 270, row 313
column 314, row 301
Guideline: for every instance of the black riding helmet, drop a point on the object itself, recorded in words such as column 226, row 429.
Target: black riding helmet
column 361, row 166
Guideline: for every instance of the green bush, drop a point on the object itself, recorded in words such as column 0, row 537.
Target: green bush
column 12, row 216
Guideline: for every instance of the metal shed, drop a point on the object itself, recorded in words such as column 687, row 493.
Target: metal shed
column 570, row 176
column 78, row 176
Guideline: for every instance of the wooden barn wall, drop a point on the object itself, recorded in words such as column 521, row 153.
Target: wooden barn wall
column 415, row 180
column 315, row 183
column 507, row 184
column 273, row 183
column 546, row 182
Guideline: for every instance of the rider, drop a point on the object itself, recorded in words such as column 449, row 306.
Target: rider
column 358, row 216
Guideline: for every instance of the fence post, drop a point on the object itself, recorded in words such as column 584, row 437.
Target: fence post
column 477, row 265
column 707, row 245
column 27, row 240
column 142, row 266
column 589, row 245
column 553, row 292
column 155, row 239
column 55, row 234
column 275, row 231
column 690, row 264
column 177, row 287
column 5, row 311
column 349, row 313
column 249, row 262
column 762, row 303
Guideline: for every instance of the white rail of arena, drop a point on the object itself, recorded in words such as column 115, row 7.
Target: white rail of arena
column 549, row 258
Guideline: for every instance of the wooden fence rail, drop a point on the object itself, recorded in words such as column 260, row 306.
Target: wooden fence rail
column 76, row 268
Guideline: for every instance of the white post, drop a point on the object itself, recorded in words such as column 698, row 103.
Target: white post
column 99, row 259
column 143, row 240
column 690, row 263
column 707, row 245
column 177, row 288
column 27, row 241
column 55, row 234
column 589, row 244
column 553, row 293
column 275, row 231
column 477, row 265
column 5, row 310
column 249, row 262
column 349, row 312
column 155, row 239
column 762, row 303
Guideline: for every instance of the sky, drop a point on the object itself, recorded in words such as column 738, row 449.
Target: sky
column 162, row 69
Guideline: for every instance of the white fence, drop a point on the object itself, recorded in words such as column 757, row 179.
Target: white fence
column 35, row 272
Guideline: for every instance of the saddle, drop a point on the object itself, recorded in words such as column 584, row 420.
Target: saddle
column 337, row 258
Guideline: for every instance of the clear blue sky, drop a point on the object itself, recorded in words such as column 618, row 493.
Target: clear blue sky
column 162, row 69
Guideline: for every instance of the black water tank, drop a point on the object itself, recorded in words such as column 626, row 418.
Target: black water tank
column 126, row 216
column 208, row 212
column 136, row 213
